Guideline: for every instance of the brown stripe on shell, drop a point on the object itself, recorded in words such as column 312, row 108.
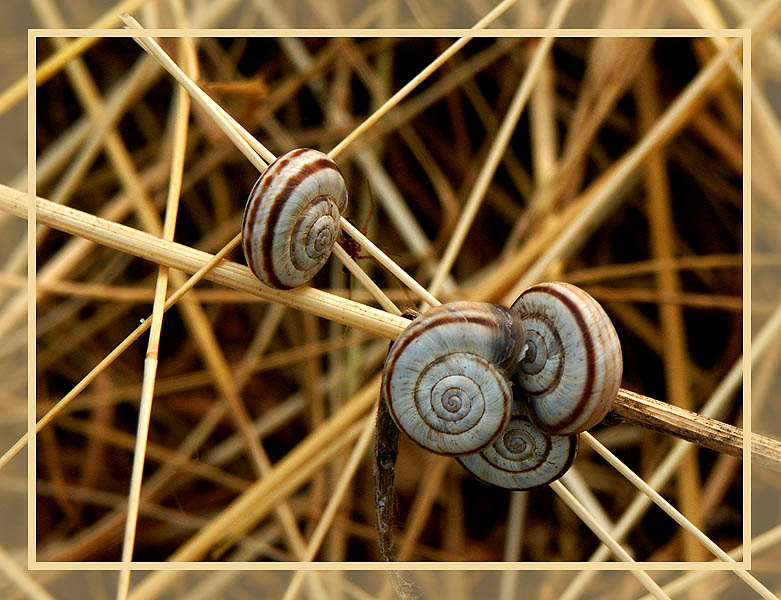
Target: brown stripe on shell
column 543, row 458
column 299, row 222
column 411, row 335
column 248, row 223
column 305, row 170
column 574, row 441
column 481, row 414
column 560, row 371
column 275, row 170
column 250, row 207
column 504, row 423
column 253, row 206
column 571, row 455
column 588, row 342
column 417, row 329
column 265, row 179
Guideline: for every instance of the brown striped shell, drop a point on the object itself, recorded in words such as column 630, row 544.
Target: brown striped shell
column 446, row 377
column 291, row 220
column 572, row 367
column 523, row 456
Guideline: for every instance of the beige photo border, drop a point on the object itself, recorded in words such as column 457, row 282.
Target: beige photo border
column 745, row 564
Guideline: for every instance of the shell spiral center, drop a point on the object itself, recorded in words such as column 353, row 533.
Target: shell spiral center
column 450, row 401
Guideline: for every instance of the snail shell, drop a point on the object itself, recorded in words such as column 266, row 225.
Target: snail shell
column 523, row 456
column 446, row 377
column 572, row 367
column 291, row 220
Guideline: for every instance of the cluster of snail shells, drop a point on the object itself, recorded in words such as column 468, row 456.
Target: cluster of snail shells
column 291, row 220
column 506, row 391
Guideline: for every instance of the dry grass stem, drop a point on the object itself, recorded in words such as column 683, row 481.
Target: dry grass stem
column 336, row 499
column 254, row 150
column 498, row 148
column 418, row 79
column 67, row 53
column 666, row 469
column 759, row 544
column 182, row 258
column 22, row 578
column 673, row 512
column 151, row 360
column 606, row 538
column 189, row 260
column 602, row 196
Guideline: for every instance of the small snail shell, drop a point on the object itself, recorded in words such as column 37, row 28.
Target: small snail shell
column 446, row 377
column 523, row 456
column 572, row 367
column 291, row 220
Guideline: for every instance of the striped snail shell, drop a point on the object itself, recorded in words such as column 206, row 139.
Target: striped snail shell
column 523, row 456
column 291, row 220
column 572, row 367
column 446, row 377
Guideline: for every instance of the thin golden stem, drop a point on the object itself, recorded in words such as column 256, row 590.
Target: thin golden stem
column 337, row 495
column 52, row 65
column 676, row 359
column 759, row 544
column 606, row 538
column 365, row 280
column 150, row 362
column 673, row 512
column 22, row 578
column 385, row 261
column 252, row 149
column 183, row 258
column 679, row 263
column 714, row 406
column 498, row 148
column 118, row 350
column 602, row 196
column 418, row 79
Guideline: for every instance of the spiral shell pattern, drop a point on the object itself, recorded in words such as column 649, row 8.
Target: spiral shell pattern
column 572, row 367
column 291, row 220
column 523, row 456
column 446, row 377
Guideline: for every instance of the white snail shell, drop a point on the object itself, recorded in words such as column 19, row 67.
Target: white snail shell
column 291, row 220
column 523, row 456
column 446, row 377
column 572, row 367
